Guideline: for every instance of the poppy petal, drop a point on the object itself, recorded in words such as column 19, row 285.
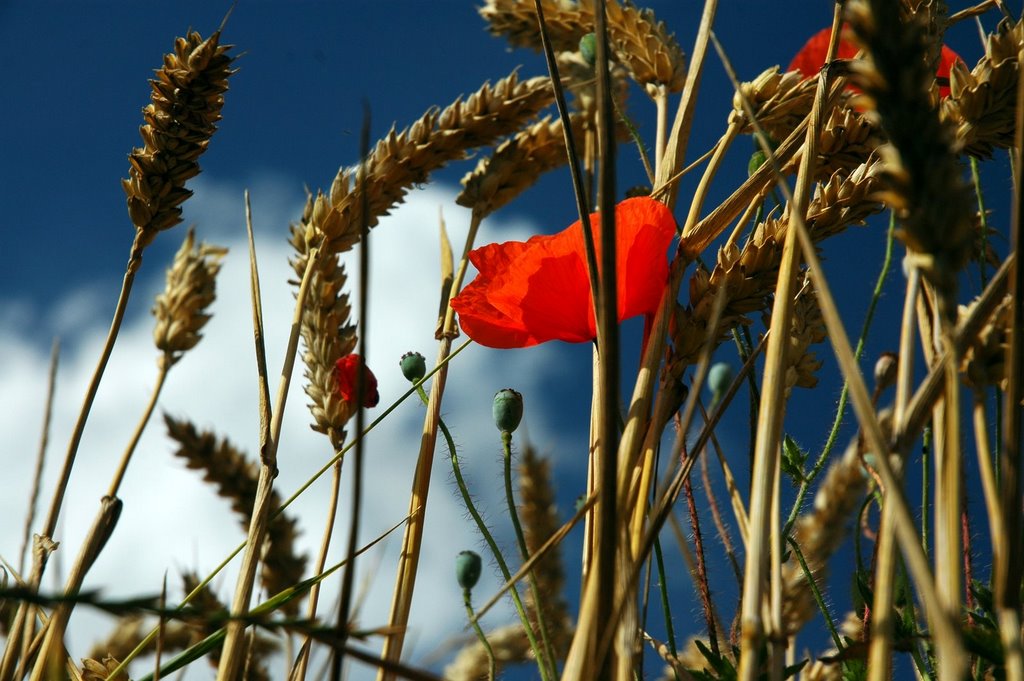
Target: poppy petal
column 811, row 57
column 535, row 291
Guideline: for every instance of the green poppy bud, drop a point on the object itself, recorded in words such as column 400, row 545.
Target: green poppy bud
column 467, row 568
column 757, row 159
column 588, row 48
column 719, row 378
column 414, row 367
column 508, row 410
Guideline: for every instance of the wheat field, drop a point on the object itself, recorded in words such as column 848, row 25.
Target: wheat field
column 755, row 413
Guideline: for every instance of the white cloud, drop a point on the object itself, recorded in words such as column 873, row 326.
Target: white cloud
column 173, row 521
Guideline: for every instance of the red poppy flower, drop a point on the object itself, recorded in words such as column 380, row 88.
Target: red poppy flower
column 345, row 372
column 532, row 292
column 811, row 57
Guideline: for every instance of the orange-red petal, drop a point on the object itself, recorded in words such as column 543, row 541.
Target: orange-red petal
column 345, row 371
column 811, row 57
column 535, row 291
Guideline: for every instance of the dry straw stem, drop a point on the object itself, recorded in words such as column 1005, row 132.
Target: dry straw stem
column 763, row 539
column 982, row 105
column 186, row 101
column 923, row 174
column 639, row 41
column 52, row 655
column 188, row 93
column 235, row 478
column 210, row 620
column 180, row 310
column 950, row 651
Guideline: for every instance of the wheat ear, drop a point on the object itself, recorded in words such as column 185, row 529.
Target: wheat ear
column 188, row 93
column 924, row 178
column 235, row 478
column 640, row 42
column 983, row 100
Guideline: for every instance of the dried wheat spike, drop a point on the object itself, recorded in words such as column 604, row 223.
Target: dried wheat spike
column 984, row 99
column 235, row 478
column 332, row 222
column 820, row 531
column 132, row 631
column 848, row 139
column 925, row 184
column 516, row 165
column 807, row 328
column 749, row 273
column 640, row 42
column 403, row 159
column 327, row 336
column 191, row 288
column 99, row 670
column 780, row 102
column 509, row 644
column 540, row 522
column 188, row 93
column 984, row 362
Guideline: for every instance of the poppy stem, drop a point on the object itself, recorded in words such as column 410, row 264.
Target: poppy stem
column 524, row 552
column 467, row 599
column 489, row 538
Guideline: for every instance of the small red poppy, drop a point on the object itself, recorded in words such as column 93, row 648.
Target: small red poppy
column 345, row 372
column 811, row 57
column 535, row 291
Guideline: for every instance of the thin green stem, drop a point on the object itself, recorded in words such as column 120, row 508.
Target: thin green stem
column 837, row 423
column 836, row 639
column 524, row 552
column 141, row 646
column 637, row 140
column 491, row 666
column 488, row 537
column 663, row 589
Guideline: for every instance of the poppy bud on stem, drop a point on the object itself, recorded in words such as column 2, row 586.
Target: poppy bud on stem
column 508, row 413
column 467, row 572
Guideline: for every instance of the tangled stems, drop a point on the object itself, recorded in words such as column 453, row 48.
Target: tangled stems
column 844, row 396
column 491, row 544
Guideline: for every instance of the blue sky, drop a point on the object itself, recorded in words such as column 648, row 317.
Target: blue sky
column 76, row 82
